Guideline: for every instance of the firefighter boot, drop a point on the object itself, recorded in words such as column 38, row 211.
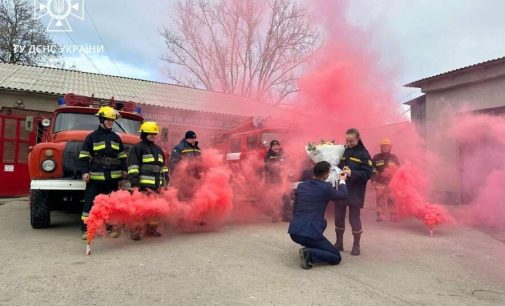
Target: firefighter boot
column 392, row 211
column 113, row 232
column 152, row 230
column 135, row 234
column 84, row 229
column 339, row 245
column 355, row 246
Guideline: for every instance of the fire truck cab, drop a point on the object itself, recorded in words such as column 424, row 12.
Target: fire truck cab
column 54, row 166
column 251, row 138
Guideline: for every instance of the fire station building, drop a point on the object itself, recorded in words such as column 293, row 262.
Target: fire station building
column 478, row 88
column 31, row 92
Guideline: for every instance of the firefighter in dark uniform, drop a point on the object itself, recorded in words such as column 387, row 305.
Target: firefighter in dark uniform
column 274, row 160
column 384, row 165
column 147, row 170
column 187, row 148
column 356, row 162
column 103, row 163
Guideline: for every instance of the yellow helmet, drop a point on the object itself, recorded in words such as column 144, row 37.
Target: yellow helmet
column 107, row 112
column 386, row 142
column 149, row 127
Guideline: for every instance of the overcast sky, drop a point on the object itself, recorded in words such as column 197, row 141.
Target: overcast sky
column 418, row 37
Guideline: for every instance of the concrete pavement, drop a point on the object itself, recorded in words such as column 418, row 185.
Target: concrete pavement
column 251, row 264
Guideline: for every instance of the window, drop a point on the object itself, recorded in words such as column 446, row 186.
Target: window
column 164, row 135
column 23, row 133
column 267, row 137
column 235, row 145
column 76, row 121
column 252, row 142
column 23, row 151
column 10, row 128
column 9, row 151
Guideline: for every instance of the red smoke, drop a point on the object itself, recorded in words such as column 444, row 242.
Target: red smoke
column 482, row 152
column 199, row 197
column 255, row 195
column 407, row 188
column 342, row 87
column 346, row 85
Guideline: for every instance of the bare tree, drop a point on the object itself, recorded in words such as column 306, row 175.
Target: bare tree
column 253, row 48
column 19, row 31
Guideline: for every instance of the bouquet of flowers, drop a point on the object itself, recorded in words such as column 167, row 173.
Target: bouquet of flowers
column 330, row 152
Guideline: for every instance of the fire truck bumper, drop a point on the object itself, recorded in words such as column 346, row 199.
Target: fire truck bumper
column 58, row 185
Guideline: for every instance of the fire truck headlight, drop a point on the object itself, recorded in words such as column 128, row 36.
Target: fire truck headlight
column 48, row 165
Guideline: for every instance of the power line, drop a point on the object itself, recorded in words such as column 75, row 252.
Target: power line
column 103, row 42
column 84, row 53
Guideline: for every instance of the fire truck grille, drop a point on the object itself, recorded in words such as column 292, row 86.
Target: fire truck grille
column 71, row 164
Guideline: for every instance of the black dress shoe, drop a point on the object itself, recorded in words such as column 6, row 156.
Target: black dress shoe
column 304, row 254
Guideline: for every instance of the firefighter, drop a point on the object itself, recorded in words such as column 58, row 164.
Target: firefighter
column 357, row 164
column 147, row 170
column 187, row 148
column 104, row 163
column 384, row 165
column 274, row 159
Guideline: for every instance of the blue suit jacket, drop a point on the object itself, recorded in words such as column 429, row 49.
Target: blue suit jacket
column 311, row 199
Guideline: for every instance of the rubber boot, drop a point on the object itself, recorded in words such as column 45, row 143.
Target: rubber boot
column 355, row 246
column 339, row 245
column 84, row 230
column 152, row 230
column 113, row 232
column 135, row 234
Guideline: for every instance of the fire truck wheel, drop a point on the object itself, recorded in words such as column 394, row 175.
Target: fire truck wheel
column 39, row 209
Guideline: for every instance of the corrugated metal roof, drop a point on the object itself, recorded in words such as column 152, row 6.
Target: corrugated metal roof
column 56, row 81
column 489, row 62
column 416, row 100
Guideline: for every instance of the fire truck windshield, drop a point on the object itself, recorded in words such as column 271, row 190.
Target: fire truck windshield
column 77, row 121
column 266, row 137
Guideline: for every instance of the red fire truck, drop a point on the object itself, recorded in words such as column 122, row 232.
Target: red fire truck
column 53, row 163
column 252, row 137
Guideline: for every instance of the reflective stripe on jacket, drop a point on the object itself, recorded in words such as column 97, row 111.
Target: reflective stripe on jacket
column 183, row 150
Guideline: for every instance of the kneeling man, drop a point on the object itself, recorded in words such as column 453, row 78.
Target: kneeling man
column 308, row 223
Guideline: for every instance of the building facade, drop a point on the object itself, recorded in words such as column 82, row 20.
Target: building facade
column 30, row 92
column 478, row 88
